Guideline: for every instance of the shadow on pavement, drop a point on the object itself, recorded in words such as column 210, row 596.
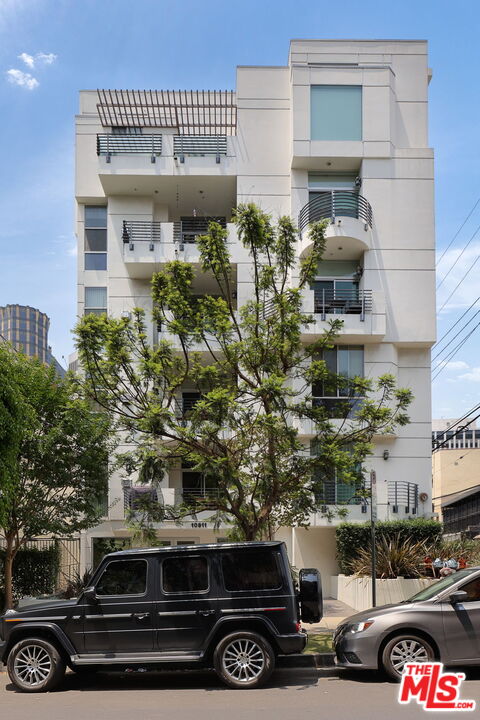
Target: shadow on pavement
column 175, row 680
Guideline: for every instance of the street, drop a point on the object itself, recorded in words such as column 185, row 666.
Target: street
column 299, row 693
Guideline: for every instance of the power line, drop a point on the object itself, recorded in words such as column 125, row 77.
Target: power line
column 457, row 233
column 440, row 352
column 461, row 281
column 457, row 422
column 456, row 322
column 444, row 362
column 458, row 258
column 461, row 429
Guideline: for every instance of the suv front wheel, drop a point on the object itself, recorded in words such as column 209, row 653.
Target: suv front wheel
column 35, row 665
column 244, row 660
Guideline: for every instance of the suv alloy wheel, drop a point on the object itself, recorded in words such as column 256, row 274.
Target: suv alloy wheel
column 244, row 660
column 35, row 665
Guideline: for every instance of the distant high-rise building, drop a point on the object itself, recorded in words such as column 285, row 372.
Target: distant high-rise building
column 26, row 328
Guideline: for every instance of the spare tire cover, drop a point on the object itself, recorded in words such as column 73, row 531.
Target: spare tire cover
column 310, row 595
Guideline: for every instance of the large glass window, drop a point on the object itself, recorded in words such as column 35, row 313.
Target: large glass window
column 95, row 261
column 95, row 237
column 251, row 570
column 185, row 574
column 95, row 216
column 336, row 112
column 336, row 394
column 95, row 300
column 123, row 577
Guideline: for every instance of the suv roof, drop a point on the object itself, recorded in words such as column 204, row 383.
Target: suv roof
column 202, row 547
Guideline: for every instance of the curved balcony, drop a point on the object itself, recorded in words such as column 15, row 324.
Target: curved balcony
column 333, row 204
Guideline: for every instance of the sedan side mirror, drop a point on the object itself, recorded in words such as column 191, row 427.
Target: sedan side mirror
column 91, row 596
column 458, row 597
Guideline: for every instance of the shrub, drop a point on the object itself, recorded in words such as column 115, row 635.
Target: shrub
column 352, row 537
column 35, row 571
column 395, row 557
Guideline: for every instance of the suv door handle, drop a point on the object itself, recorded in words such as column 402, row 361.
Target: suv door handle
column 140, row 616
column 205, row 613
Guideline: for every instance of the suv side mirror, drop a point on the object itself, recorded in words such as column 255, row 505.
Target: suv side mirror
column 91, row 596
column 458, row 597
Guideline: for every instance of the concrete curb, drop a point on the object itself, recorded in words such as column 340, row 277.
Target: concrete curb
column 315, row 660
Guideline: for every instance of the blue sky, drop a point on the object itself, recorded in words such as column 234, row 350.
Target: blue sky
column 193, row 44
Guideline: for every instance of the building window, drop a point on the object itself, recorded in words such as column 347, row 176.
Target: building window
column 334, row 489
column 95, row 300
column 337, row 394
column 95, row 261
column 95, row 242
column 336, row 112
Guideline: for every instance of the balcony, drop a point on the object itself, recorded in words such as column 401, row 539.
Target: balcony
column 342, row 302
column 361, row 311
column 108, row 145
column 333, row 204
column 188, row 229
column 199, row 146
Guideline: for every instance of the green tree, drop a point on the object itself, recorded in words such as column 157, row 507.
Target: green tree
column 53, row 453
column 254, row 372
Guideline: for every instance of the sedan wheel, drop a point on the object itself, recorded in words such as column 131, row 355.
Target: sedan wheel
column 405, row 649
column 34, row 665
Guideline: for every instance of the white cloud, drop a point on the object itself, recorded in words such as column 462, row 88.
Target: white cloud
column 457, row 365
column 23, row 79
column 27, row 59
column 468, row 265
column 40, row 58
column 472, row 376
column 46, row 58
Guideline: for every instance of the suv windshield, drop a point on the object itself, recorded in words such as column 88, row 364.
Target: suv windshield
column 443, row 584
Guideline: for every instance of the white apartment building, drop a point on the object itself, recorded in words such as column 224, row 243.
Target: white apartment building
column 340, row 132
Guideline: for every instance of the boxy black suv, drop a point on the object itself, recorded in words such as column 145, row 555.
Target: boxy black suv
column 231, row 606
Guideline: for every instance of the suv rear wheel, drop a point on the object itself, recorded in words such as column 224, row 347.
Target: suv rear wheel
column 35, row 665
column 404, row 649
column 244, row 660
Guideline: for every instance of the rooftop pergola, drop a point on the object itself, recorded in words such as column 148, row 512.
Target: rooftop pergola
column 191, row 112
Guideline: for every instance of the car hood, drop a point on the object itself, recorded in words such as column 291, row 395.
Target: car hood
column 376, row 612
column 36, row 605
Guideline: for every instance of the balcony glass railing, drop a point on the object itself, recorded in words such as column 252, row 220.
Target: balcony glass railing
column 199, row 146
column 335, row 203
column 141, row 231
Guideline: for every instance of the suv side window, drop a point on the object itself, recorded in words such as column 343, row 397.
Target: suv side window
column 247, row 570
column 123, row 577
column 473, row 590
column 185, row 574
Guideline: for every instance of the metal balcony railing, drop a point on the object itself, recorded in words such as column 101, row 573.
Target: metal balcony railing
column 199, row 145
column 335, row 203
column 343, row 302
column 338, row 493
column 402, row 493
column 141, row 231
column 109, row 145
column 203, row 498
column 338, row 407
column 189, row 228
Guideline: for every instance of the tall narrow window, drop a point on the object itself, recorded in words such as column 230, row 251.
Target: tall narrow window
column 95, row 237
column 336, row 112
column 95, row 300
column 336, row 394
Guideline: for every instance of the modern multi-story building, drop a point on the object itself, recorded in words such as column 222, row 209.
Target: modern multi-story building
column 26, row 328
column 340, row 132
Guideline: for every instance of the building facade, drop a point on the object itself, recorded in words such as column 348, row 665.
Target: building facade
column 340, row 132
column 456, row 474
column 26, row 328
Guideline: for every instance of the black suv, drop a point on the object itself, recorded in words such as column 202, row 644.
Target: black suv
column 232, row 606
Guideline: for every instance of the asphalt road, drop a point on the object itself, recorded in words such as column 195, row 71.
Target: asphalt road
column 297, row 694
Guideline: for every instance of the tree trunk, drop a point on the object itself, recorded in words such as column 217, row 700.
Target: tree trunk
column 8, row 572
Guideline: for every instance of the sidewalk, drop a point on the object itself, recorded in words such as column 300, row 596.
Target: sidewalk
column 334, row 613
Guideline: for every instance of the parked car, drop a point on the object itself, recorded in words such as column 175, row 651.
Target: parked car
column 233, row 607
column 442, row 622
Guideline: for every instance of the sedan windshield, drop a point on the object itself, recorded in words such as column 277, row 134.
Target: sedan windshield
column 432, row 590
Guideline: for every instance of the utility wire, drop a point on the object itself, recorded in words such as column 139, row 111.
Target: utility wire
column 458, row 258
column 456, row 322
column 457, row 432
column 444, row 362
column 461, row 281
column 440, row 352
column 457, row 233
column 457, row 422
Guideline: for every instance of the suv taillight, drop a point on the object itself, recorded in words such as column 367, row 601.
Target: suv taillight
column 298, row 627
